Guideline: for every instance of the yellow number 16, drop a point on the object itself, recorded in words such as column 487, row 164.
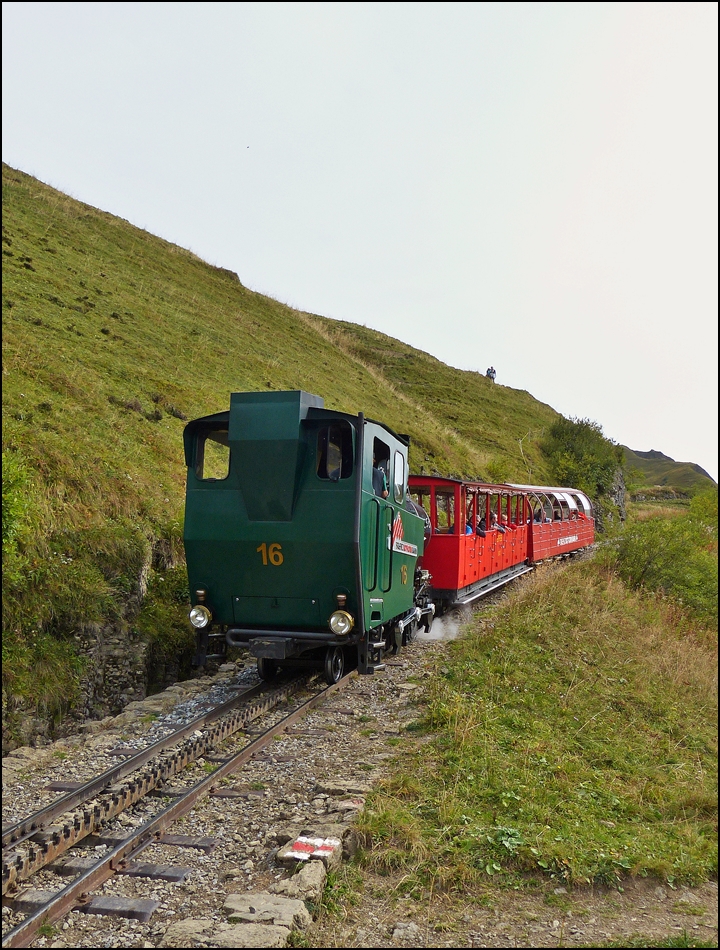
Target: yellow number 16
column 271, row 554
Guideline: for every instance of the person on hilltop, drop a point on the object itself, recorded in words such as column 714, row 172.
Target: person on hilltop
column 490, row 373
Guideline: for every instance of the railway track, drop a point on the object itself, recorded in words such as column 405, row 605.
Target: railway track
column 37, row 842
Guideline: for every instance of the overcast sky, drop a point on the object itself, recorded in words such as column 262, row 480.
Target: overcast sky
column 532, row 186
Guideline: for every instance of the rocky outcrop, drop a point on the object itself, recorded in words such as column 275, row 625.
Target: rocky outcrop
column 618, row 494
column 115, row 675
column 115, row 671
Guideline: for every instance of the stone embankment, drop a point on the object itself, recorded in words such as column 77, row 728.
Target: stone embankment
column 115, row 675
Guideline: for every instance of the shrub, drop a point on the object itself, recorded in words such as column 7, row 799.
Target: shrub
column 677, row 557
column 580, row 456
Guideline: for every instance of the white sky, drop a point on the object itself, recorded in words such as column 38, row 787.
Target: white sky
column 532, row 186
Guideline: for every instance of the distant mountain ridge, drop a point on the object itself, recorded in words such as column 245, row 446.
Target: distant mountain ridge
column 654, row 468
column 654, row 455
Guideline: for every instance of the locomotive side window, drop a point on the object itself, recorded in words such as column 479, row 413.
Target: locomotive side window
column 212, row 455
column 444, row 511
column 399, row 478
column 381, row 461
column 335, row 452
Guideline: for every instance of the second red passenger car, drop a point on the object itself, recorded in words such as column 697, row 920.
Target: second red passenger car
column 483, row 536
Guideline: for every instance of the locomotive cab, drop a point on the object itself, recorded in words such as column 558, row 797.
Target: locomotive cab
column 290, row 551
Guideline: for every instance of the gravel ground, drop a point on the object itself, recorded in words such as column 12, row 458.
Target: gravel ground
column 313, row 780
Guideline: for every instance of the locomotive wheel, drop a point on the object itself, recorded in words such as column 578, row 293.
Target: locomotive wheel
column 427, row 622
column 267, row 668
column 334, row 665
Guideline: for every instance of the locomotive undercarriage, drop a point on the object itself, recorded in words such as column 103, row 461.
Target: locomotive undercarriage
column 274, row 649
column 398, row 632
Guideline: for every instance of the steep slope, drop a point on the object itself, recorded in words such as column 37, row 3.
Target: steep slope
column 112, row 339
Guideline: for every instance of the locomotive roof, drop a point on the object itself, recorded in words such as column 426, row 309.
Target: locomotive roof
column 224, row 416
column 314, row 409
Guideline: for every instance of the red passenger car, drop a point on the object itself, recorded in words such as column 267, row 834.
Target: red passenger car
column 562, row 521
column 483, row 536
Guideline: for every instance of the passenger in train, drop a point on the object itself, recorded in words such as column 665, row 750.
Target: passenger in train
column 494, row 525
column 468, row 529
column 481, row 527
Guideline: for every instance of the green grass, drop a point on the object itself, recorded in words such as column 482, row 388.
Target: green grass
column 574, row 736
column 112, row 339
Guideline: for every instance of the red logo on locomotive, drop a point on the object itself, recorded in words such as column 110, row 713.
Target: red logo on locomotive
column 396, row 539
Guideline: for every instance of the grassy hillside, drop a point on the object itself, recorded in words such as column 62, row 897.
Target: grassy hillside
column 571, row 734
column 112, row 338
column 655, row 469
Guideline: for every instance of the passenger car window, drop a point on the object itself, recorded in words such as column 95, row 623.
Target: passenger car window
column 399, row 478
column 335, row 452
column 212, row 455
column 421, row 496
column 444, row 511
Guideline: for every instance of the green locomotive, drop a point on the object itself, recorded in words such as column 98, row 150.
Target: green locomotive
column 300, row 538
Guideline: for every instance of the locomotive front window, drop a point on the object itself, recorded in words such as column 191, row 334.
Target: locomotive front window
column 212, row 455
column 335, row 452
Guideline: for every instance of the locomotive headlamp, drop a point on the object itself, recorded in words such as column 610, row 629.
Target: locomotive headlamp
column 200, row 616
column 341, row 623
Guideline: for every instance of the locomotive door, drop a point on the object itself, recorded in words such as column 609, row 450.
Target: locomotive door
column 384, row 548
column 393, row 532
column 377, row 521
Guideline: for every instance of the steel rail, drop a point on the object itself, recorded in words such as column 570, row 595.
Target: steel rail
column 77, row 892
column 23, row 829
column 92, row 816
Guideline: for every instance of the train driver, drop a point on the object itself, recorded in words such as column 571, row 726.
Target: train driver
column 379, row 480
